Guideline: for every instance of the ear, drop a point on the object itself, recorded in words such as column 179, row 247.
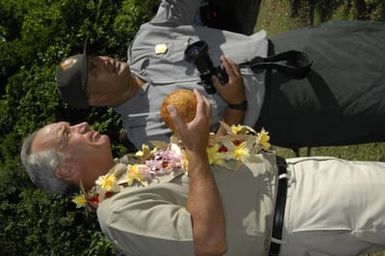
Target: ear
column 67, row 172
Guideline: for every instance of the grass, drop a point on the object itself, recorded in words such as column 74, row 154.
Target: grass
column 277, row 16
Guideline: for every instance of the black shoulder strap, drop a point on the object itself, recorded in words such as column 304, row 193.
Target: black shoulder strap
column 294, row 64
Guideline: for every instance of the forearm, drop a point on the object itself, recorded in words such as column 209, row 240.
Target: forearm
column 233, row 93
column 203, row 201
column 176, row 12
column 205, row 207
column 230, row 117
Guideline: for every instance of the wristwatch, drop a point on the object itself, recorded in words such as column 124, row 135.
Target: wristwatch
column 239, row 106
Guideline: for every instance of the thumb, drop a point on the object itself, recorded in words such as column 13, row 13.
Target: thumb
column 217, row 84
column 178, row 121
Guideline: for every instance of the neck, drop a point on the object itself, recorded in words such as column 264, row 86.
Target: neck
column 90, row 179
column 133, row 86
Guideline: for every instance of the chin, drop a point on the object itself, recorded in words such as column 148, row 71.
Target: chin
column 104, row 140
column 125, row 71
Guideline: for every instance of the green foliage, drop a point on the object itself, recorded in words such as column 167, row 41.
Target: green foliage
column 320, row 11
column 35, row 36
column 279, row 16
column 132, row 16
column 61, row 230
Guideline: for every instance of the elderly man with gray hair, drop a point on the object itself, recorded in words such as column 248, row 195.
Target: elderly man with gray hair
column 237, row 198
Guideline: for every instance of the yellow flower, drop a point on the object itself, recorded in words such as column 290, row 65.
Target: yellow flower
column 235, row 129
column 79, row 200
column 145, row 149
column 133, row 174
column 241, row 129
column 240, row 152
column 145, row 152
column 263, row 139
column 214, row 156
column 108, row 183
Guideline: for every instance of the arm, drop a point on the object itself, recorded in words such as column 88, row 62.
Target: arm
column 233, row 93
column 176, row 12
column 203, row 203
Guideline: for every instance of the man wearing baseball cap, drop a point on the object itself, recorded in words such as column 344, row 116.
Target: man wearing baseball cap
column 340, row 101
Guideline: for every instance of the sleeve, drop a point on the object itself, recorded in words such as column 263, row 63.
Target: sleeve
column 176, row 12
column 148, row 221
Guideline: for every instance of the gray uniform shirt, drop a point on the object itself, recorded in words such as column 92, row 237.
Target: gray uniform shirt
column 166, row 70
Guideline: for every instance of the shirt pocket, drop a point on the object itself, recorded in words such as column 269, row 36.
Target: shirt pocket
column 175, row 49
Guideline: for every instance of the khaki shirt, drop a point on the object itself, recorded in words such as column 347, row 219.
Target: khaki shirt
column 153, row 220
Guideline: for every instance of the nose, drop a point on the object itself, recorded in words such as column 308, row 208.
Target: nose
column 81, row 127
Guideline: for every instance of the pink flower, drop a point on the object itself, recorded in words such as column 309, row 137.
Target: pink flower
column 164, row 161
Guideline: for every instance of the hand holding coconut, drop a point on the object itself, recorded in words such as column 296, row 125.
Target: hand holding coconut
column 188, row 114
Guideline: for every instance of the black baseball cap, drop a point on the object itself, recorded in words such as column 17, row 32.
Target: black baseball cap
column 71, row 79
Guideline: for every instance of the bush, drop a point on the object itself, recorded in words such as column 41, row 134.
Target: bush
column 34, row 36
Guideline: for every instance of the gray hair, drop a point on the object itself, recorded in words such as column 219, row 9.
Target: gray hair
column 41, row 167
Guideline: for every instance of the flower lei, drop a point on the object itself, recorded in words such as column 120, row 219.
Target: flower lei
column 240, row 144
